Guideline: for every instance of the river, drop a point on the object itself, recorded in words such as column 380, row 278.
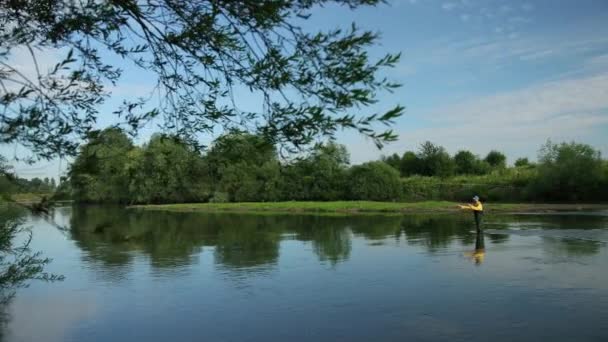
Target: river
column 160, row 276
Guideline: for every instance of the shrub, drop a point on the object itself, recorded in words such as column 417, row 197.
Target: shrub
column 375, row 181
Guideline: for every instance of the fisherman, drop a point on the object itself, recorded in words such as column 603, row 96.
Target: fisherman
column 477, row 209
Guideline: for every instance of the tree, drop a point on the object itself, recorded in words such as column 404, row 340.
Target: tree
column 7, row 184
column 166, row 169
column 410, row 164
column 374, row 181
column 393, row 160
column 466, row 162
column 522, row 162
column 97, row 174
column 200, row 53
column 235, row 162
column 496, row 159
column 320, row 176
column 569, row 171
column 435, row 161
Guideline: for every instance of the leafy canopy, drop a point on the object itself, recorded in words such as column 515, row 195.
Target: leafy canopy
column 200, row 51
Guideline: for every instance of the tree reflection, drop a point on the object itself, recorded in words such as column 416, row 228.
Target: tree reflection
column 108, row 235
column 437, row 231
column 243, row 242
column 330, row 236
column 558, row 248
column 377, row 227
column 247, row 241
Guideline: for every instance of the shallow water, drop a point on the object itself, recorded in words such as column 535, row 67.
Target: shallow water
column 152, row 276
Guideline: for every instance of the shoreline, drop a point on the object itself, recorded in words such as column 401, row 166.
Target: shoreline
column 358, row 207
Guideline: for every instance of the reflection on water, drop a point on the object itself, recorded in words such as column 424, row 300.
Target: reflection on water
column 479, row 253
column 155, row 276
column 244, row 241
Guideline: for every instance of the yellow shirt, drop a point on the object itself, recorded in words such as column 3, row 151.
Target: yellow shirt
column 475, row 207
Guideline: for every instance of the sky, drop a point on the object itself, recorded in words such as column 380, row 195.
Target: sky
column 476, row 74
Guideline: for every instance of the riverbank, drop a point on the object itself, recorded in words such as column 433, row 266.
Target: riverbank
column 364, row 207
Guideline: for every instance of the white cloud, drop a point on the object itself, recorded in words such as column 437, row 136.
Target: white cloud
column 516, row 122
column 465, row 17
column 521, row 119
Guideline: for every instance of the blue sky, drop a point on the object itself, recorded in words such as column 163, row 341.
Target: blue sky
column 477, row 75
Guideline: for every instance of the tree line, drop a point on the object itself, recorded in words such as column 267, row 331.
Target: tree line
column 242, row 167
column 434, row 160
column 237, row 167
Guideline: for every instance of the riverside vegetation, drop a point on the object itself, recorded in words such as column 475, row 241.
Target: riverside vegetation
column 241, row 167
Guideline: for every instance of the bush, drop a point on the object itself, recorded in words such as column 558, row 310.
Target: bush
column 569, row 172
column 374, row 181
column 219, row 197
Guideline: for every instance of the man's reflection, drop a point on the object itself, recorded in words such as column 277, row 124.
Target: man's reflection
column 480, row 250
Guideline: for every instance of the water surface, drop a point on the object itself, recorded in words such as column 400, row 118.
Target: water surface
column 153, row 276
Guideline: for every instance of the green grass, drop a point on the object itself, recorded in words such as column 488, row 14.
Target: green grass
column 358, row 207
column 28, row 197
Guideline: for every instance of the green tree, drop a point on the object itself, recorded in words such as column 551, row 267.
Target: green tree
column 235, row 166
column 374, row 181
column 496, row 159
column 435, row 160
column 569, row 171
column 7, row 184
column 322, row 175
column 63, row 190
column 97, row 173
column 393, row 160
column 466, row 162
column 469, row 164
column 166, row 169
column 199, row 51
column 410, row 164
column 522, row 162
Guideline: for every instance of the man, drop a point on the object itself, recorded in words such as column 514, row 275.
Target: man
column 477, row 209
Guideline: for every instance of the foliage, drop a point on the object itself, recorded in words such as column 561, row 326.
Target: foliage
column 410, row 164
column 200, row 52
column 393, row 160
column 496, row 159
column 241, row 167
column 244, row 166
column 320, row 176
column 375, row 181
column 435, row 161
column 570, row 172
column 97, row 172
column 520, row 162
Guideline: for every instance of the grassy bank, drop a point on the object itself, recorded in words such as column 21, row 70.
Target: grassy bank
column 363, row 207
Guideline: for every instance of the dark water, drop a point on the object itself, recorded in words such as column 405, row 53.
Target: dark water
column 146, row 276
